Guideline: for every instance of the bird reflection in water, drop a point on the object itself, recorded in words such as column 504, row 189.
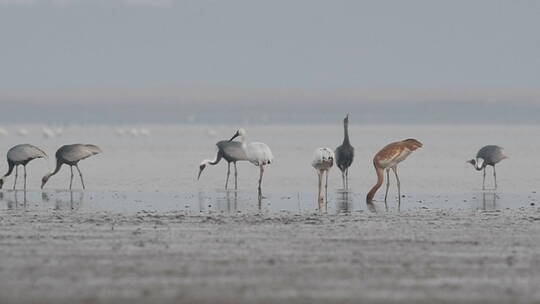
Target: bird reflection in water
column 12, row 199
column 489, row 200
column 64, row 200
column 227, row 203
column 344, row 201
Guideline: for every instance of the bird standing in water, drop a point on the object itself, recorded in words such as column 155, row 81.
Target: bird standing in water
column 323, row 160
column 21, row 155
column 232, row 152
column 488, row 156
column 345, row 154
column 257, row 153
column 71, row 155
column 388, row 158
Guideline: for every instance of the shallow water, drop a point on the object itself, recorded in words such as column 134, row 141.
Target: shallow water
column 157, row 172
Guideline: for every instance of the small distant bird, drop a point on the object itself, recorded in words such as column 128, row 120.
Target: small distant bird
column 21, row 155
column 488, row 156
column 388, row 158
column 323, row 160
column 232, row 152
column 71, row 155
column 257, row 153
column 345, row 154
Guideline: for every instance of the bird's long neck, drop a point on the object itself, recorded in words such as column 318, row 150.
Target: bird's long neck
column 216, row 160
column 10, row 170
column 58, row 166
column 345, row 133
column 380, row 179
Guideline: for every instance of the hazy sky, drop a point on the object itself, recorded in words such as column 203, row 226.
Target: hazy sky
column 118, row 49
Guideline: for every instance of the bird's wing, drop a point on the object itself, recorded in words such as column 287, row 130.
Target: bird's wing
column 78, row 152
column 25, row 152
column 233, row 149
column 492, row 154
column 259, row 153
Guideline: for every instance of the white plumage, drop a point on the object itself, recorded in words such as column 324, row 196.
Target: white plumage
column 257, row 153
column 21, row 155
column 323, row 160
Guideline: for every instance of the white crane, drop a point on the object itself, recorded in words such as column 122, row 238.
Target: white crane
column 71, row 155
column 21, row 155
column 257, row 153
column 323, row 160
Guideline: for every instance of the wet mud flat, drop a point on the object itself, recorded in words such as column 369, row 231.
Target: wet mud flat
column 422, row 256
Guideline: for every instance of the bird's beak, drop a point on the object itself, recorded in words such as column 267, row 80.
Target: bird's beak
column 200, row 172
column 43, row 184
column 234, row 136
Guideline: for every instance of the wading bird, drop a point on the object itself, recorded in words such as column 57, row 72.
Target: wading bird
column 488, row 156
column 257, row 153
column 21, row 155
column 345, row 154
column 71, row 155
column 232, row 152
column 388, row 158
column 323, row 160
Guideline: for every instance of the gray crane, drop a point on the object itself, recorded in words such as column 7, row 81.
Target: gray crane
column 71, row 155
column 232, row 152
column 488, row 156
column 345, row 154
column 21, row 155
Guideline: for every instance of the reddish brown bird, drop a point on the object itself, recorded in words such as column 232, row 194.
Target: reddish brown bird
column 388, row 158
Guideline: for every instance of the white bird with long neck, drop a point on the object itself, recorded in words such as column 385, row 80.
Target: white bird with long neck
column 323, row 160
column 71, row 155
column 257, row 153
column 21, row 155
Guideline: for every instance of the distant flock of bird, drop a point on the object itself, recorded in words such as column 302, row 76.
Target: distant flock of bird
column 260, row 155
column 323, row 159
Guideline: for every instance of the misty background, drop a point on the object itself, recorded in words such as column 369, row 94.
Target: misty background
column 305, row 61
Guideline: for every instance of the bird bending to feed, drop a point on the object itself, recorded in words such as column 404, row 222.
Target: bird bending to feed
column 488, row 156
column 232, row 152
column 323, row 160
column 345, row 154
column 71, row 155
column 388, row 158
column 257, row 153
column 21, row 155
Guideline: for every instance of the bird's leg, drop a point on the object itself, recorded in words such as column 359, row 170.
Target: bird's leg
column 235, row 177
column 326, row 193
column 228, row 173
column 24, row 167
column 343, row 179
column 80, row 175
column 16, row 175
column 398, row 187
column 319, row 191
column 71, row 180
column 347, row 178
column 387, row 184
column 260, row 181
column 484, row 180
column 495, row 177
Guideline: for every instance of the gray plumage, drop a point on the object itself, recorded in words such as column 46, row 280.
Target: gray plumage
column 71, row 155
column 488, row 156
column 21, row 155
column 345, row 154
column 232, row 152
